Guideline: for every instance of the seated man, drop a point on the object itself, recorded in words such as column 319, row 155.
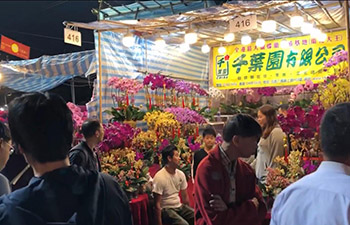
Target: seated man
column 83, row 154
column 225, row 186
column 167, row 184
column 42, row 130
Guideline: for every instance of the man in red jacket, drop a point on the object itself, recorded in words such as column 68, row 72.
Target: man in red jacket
column 225, row 186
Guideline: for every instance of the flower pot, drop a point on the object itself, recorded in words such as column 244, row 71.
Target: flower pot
column 130, row 122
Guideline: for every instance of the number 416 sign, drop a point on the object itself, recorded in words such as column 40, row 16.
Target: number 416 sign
column 72, row 37
column 243, row 23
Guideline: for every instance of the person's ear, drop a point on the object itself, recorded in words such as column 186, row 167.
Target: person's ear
column 20, row 149
column 235, row 140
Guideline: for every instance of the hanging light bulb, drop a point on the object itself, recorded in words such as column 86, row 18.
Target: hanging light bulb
column 190, row 37
column 205, row 48
column 184, row 47
column 322, row 37
column 128, row 40
column 269, row 26
column 306, row 28
column 229, row 37
column 260, row 42
column 315, row 33
column 246, row 40
column 159, row 43
column 296, row 21
column 222, row 49
column 284, row 43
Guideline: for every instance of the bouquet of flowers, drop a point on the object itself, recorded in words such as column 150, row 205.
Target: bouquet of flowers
column 124, row 87
column 215, row 93
column 117, row 135
column 266, row 91
column 333, row 91
column 286, row 172
column 303, row 128
column 130, row 172
column 132, row 86
column 78, row 117
column 145, row 145
column 163, row 124
column 186, row 115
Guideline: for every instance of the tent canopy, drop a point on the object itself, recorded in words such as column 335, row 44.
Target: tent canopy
column 46, row 72
column 212, row 22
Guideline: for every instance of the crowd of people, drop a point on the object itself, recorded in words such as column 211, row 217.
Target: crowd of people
column 69, row 188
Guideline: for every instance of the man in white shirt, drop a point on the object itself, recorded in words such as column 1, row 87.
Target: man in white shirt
column 322, row 197
column 167, row 184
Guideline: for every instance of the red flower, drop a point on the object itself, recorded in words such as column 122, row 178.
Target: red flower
column 227, row 57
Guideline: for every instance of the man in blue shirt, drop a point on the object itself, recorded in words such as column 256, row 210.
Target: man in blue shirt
column 322, row 197
column 41, row 128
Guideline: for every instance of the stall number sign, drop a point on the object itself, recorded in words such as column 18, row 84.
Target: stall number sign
column 243, row 23
column 72, row 37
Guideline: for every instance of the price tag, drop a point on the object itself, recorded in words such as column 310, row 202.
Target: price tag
column 243, row 23
column 72, row 37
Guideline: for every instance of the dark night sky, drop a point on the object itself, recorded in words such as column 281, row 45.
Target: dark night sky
column 38, row 24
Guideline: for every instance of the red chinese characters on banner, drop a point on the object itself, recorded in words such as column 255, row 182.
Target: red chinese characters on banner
column 14, row 48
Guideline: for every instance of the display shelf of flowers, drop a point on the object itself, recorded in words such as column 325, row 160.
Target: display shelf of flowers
column 302, row 124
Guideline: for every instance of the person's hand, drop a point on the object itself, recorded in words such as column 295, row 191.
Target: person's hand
column 255, row 202
column 217, row 203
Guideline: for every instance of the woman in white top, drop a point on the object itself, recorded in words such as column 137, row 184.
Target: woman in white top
column 5, row 150
column 271, row 143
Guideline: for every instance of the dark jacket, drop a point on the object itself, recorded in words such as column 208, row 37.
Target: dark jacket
column 197, row 158
column 82, row 155
column 67, row 194
column 213, row 178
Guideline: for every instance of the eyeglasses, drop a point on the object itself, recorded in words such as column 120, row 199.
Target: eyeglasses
column 12, row 149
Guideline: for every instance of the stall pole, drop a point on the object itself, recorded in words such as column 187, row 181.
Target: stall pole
column 100, row 75
column 347, row 31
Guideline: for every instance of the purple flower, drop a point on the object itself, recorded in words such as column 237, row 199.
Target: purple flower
column 164, row 144
column 117, row 135
column 298, row 89
column 138, row 156
column 309, row 85
column 186, row 115
column 193, row 146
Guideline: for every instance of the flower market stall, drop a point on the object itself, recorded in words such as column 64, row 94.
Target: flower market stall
column 166, row 70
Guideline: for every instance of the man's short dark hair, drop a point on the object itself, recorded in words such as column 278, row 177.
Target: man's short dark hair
column 89, row 127
column 283, row 107
column 5, row 132
column 209, row 131
column 335, row 131
column 42, row 125
column 241, row 125
column 168, row 151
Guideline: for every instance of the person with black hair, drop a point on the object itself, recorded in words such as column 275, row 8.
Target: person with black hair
column 42, row 130
column 167, row 184
column 225, row 186
column 6, row 150
column 84, row 154
column 322, row 197
column 283, row 109
column 209, row 136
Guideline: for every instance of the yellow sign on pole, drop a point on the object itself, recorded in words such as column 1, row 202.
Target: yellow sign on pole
column 249, row 66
